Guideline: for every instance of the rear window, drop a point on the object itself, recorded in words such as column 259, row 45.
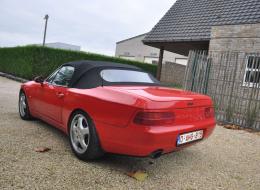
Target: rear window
column 126, row 76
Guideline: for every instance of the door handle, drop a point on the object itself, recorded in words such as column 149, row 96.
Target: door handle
column 60, row 95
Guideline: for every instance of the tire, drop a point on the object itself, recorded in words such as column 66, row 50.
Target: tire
column 23, row 106
column 83, row 137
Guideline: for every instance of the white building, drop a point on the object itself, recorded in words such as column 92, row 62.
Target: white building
column 60, row 45
column 134, row 49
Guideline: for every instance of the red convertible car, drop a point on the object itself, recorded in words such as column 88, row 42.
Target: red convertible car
column 116, row 108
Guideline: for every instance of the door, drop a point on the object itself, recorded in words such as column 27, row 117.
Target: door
column 52, row 93
column 128, row 57
column 151, row 60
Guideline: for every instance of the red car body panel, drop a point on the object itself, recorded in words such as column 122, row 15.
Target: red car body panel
column 113, row 108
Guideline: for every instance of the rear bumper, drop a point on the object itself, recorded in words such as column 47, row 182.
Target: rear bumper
column 142, row 141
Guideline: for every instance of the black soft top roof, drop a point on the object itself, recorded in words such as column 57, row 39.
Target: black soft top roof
column 87, row 64
column 86, row 73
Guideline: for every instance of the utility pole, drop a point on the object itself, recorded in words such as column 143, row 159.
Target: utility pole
column 45, row 29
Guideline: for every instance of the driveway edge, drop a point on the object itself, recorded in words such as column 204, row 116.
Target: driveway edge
column 9, row 76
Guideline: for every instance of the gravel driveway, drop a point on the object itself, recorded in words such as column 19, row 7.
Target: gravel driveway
column 228, row 160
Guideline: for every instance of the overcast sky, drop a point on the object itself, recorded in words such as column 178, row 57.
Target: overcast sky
column 95, row 25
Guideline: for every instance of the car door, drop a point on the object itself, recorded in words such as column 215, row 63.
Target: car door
column 52, row 94
column 38, row 92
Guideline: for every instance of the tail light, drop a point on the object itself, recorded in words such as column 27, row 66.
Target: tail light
column 209, row 112
column 154, row 118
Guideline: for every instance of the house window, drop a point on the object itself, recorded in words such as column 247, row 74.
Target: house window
column 154, row 54
column 252, row 73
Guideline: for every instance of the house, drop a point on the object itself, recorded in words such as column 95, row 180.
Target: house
column 61, row 45
column 188, row 25
column 134, row 49
column 174, row 65
column 225, row 63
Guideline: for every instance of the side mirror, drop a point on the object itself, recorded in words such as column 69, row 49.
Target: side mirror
column 39, row 79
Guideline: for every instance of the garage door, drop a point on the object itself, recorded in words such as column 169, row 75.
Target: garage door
column 128, row 57
column 151, row 60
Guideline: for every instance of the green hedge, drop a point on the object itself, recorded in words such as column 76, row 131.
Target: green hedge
column 30, row 61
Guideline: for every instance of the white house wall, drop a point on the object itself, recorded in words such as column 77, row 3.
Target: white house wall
column 134, row 47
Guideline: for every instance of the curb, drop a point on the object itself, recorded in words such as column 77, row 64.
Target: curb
column 9, row 76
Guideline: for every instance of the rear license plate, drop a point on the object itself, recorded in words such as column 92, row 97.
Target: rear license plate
column 189, row 137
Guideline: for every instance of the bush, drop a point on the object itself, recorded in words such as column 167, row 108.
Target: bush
column 30, row 61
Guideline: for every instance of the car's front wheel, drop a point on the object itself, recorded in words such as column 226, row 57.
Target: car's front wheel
column 83, row 136
column 24, row 107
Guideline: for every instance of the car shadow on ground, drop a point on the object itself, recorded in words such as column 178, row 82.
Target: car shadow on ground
column 57, row 133
column 128, row 164
column 121, row 163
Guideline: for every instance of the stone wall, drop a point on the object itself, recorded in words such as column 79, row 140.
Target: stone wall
column 229, row 49
column 235, row 100
column 173, row 73
column 242, row 38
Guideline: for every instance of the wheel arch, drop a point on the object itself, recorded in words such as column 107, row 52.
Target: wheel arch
column 71, row 114
column 27, row 94
column 22, row 90
column 27, row 115
column 89, row 117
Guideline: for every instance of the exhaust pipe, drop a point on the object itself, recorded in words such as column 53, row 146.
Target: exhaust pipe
column 156, row 154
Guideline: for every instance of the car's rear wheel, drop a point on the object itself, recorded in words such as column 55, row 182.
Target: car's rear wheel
column 83, row 136
column 24, row 107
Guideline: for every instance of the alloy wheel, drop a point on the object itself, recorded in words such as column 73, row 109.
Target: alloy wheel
column 22, row 105
column 79, row 133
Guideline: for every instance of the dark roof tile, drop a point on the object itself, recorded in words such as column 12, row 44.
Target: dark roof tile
column 193, row 19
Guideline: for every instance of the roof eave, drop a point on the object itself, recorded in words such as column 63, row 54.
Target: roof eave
column 175, row 40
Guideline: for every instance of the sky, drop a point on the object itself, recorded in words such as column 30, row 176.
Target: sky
column 95, row 25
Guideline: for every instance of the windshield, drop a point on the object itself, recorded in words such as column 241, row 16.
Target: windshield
column 127, row 76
